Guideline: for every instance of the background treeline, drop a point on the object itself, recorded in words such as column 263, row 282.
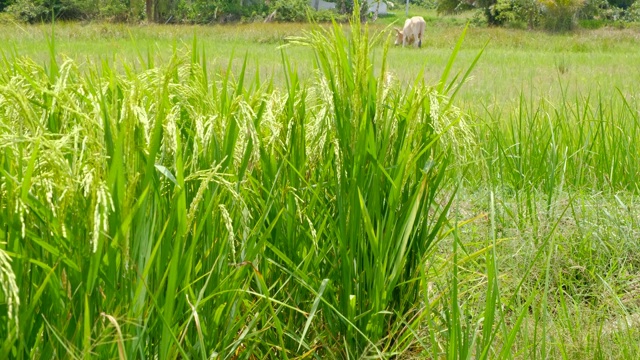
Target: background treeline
column 554, row 15
column 163, row 11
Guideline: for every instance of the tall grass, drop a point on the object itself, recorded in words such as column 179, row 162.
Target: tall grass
column 563, row 174
column 589, row 141
column 166, row 213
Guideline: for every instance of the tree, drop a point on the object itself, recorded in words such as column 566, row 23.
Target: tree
column 44, row 10
column 149, row 9
column 622, row 4
column 3, row 4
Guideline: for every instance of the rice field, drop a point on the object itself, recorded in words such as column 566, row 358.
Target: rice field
column 206, row 193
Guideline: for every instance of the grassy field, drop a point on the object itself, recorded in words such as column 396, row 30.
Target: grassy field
column 536, row 63
column 194, row 192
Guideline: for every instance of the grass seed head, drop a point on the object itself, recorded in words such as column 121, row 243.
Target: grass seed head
column 229, row 224
column 9, row 288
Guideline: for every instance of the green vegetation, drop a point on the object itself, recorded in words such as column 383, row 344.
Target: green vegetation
column 551, row 15
column 335, row 198
column 584, row 62
column 170, row 11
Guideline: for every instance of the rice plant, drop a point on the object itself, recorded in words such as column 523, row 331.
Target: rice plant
column 173, row 213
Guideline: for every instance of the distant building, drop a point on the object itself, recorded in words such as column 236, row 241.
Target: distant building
column 377, row 5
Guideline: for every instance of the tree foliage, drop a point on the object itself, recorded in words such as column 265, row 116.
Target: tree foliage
column 3, row 4
column 560, row 15
column 552, row 15
column 43, row 10
column 291, row 10
column 160, row 11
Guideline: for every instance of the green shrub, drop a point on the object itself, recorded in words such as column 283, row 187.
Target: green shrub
column 622, row 4
column 115, row 10
column 633, row 13
column 290, row 10
column 560, row 15
column 28, row 11
column 516, row 12
column 328, row 16
column 174, row 11
column 31, row 11
column 613, row 13
column 593, row 9
column 3, row 4
column 43, row 10
column 207, row 11
column 121, row 10
column 199, row 12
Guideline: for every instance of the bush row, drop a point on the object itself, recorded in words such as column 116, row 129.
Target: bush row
column 165, row 11
column 552, row 15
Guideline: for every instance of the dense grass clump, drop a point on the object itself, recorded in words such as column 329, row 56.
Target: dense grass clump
column 166, row 213
column 586, row 142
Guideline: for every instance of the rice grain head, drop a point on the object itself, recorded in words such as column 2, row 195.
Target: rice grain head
column 9, row 288
column 229, row 224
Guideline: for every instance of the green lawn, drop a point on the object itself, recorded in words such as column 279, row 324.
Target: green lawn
column 155, row 203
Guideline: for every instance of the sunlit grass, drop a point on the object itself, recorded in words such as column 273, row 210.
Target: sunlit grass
column 517, row 61
column 160, row 196
column 172, row 214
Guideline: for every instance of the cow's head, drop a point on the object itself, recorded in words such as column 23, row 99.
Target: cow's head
column 399, row 36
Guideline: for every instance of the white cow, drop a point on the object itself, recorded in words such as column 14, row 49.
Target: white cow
column 412, row 32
